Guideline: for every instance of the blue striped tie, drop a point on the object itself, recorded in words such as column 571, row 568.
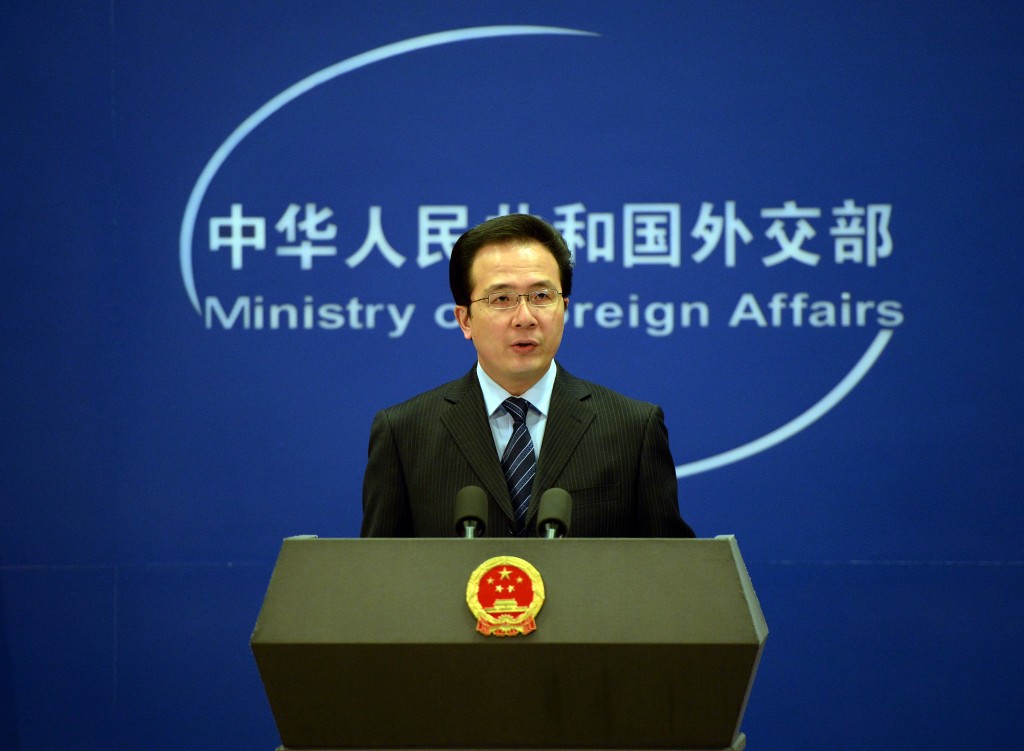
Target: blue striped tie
column 519, row 462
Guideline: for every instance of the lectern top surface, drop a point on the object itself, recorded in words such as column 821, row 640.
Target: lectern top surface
column 597, row 591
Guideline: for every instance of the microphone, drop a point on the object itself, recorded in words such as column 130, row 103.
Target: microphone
column 470, row 511
column 553, row 513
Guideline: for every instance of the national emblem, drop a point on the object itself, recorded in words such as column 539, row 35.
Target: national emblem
column 505, row 593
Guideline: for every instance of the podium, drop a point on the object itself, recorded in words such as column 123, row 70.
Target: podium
column 639, row 644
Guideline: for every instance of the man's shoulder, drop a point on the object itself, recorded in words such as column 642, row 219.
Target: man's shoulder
column 602, row 397
column 428, row 400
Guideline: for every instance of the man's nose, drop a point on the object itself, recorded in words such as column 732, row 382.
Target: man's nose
column 524, row 315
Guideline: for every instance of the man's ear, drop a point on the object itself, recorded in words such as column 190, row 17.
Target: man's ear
column 465, row 320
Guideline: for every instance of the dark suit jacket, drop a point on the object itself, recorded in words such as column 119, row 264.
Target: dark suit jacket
column 608, row 451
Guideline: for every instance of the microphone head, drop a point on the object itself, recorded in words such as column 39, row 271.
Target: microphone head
column 470, row 508
column 554, row 512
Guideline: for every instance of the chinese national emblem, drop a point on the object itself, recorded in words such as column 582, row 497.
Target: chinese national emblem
column 505, row 593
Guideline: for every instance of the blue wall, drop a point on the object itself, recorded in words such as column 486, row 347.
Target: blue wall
column 167, row 421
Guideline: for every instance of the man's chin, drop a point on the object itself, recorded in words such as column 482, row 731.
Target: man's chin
column 528, row 362
column 527, row 370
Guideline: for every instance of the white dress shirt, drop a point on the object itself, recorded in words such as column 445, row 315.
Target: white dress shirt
column 539, row 397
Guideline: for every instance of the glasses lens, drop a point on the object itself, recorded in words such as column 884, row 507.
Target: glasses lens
column 503, row 300
column 542, row 297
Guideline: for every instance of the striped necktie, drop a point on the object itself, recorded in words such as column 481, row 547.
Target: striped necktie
column 519, row 463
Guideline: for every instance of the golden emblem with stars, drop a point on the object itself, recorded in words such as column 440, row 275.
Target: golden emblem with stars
column 505, row 594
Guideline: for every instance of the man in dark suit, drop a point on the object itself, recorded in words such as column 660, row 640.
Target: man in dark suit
column 517, row 423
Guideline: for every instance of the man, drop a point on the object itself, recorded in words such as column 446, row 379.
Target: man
column 518, row 424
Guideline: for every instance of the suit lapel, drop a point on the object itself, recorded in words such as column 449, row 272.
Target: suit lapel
column 466, row 422
column 569, row 416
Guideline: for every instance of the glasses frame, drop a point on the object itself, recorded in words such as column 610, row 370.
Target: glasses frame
column 519, row 299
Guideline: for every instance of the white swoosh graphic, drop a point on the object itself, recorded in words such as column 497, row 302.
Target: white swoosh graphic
column 830, row 400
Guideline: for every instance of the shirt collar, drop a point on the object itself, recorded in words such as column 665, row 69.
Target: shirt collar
column 538, row 395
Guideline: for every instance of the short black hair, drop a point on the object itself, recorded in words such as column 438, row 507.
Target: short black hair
column 503, row 229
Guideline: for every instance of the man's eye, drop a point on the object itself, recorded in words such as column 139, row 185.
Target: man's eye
column 501, row 299
column 543, row 295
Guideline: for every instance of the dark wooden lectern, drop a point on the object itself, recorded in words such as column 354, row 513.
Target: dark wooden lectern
column 640, row 644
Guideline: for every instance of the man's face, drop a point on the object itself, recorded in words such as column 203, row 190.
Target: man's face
column 515, row 346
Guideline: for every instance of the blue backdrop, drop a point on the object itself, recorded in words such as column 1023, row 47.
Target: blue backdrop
column 796, row 226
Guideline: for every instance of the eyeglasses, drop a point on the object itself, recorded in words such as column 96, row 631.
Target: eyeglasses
column 538, row 298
